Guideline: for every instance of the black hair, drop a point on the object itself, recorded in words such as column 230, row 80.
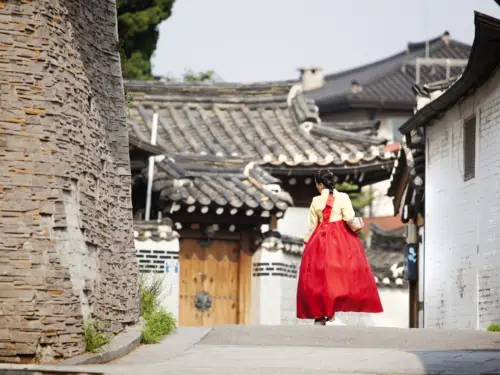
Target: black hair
column 326, row 178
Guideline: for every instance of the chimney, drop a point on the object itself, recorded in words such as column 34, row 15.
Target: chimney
column 446, row 37
column 356, row 87
column 311, row 78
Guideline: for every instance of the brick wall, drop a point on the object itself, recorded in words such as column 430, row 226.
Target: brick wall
column 462, row 283
column 66, row 243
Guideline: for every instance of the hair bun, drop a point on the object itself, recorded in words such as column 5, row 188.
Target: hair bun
column 326, row 178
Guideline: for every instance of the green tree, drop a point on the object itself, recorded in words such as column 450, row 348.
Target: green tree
column 204, row 76
column 359, row 199
column 138, row 22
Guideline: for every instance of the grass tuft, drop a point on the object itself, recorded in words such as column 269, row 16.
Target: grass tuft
column 94, row 337
column 159, row 324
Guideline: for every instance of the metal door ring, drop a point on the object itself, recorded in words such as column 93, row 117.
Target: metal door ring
column 202, row 301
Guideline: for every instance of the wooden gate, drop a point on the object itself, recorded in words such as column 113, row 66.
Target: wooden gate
column 214, row 282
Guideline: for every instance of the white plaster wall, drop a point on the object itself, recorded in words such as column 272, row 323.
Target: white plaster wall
column 381, row 204
column 266, row 290
column 395, row 302
column 170, row 279
column 462, row 258
column 294, row 222
column 289, row 294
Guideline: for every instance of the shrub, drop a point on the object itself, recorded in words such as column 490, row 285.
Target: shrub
column 94, row 337
column 494, row 328
column 151, row 289
column 158, row 321
column 158, row 324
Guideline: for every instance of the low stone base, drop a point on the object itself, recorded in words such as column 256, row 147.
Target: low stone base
column 120, row 345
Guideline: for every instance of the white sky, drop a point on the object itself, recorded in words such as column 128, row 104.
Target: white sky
column 265, row 40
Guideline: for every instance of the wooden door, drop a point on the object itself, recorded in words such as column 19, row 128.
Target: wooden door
column 209, row 282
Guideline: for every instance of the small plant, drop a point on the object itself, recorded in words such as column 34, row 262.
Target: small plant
column 158, row 321
column 158, row 324
column 151, row 289
column 494, row 328
column 94, row 337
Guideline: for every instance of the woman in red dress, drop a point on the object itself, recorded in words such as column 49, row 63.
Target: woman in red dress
column 334, row 272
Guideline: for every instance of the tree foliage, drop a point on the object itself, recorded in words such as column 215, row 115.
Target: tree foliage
column 204, row 76
column 359, row 199
column 138, row 22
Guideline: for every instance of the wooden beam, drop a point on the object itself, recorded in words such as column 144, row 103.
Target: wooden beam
column 273, row 223
column 400, row 190
column 420, row 220
column 187, row 218
column 245, row 280
column 413, row 297
column 219, row 235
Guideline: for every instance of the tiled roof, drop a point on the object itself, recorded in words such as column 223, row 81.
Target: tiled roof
column 385, row 255
column 277, row 241
column 208, row 184
column 387, row 83
column 154, row 230
column 410, row 169
column 483, row 62
column 252, row 122
column 387, row 223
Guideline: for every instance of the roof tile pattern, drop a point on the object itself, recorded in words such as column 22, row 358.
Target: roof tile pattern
column 388, row 81
column 385, row 255
column 249, row 122
column 229, row 185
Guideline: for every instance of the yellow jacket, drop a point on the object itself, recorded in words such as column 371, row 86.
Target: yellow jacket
column 341, row 210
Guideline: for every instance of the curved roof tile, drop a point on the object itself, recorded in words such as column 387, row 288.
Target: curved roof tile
column 252, row 122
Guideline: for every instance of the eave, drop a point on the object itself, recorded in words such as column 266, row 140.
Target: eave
column 483, row 62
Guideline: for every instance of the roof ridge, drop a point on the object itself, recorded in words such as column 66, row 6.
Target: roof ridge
column 416, row 46
column 414, row 55
column 207, row 86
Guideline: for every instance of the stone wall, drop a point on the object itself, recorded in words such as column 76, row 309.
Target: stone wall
column 66, row 242
column 462, row 218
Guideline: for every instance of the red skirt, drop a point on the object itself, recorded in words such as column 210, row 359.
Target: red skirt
column 335, row 275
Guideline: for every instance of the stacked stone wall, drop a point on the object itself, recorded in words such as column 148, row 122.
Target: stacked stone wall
column 66, row 238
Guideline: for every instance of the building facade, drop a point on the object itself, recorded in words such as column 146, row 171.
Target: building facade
column 232, row 159
column 459, row 256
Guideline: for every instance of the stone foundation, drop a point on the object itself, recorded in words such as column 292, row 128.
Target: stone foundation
column 66, row 244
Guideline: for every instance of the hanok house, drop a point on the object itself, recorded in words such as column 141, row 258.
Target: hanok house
column 229, row 152
column 452, row 161
column 381, row 91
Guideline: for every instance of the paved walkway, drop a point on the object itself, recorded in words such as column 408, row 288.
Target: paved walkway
column 317, row 350
column 291, row 350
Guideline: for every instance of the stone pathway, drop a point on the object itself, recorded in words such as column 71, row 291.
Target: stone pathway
column 318, row 350
column 291, row 350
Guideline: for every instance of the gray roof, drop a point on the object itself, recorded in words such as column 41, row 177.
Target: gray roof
column 252, row 122
column 155, row 230
column 385, row 255
column 483, row 62
column 207, row 185
column 276, row 241
column 387, row 83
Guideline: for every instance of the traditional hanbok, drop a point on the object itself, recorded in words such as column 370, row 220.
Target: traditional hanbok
column 334, row 274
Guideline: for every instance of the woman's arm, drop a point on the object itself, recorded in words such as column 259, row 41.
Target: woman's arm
column 312, row 222
column 347, row 210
